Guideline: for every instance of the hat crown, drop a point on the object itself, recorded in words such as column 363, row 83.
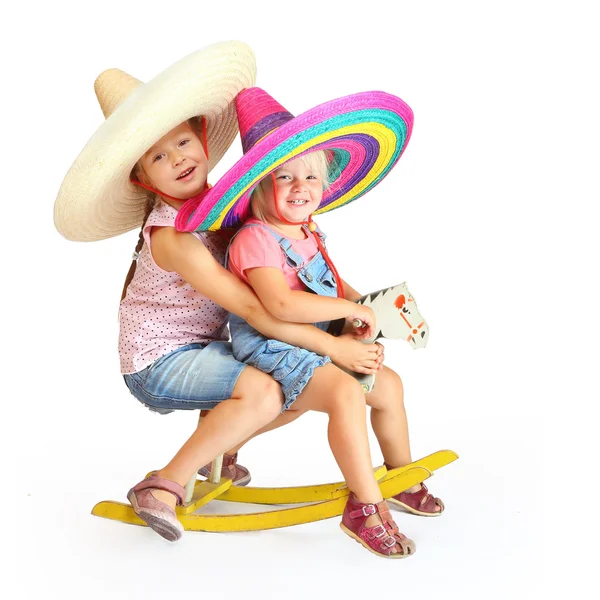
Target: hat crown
column 112, row 87
column 259, row 114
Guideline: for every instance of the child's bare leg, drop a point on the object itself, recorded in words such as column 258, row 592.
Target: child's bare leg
column 347, row 431
column 282, row 419
column 336, row 393
column 256, row 400
column 332, row 391
column 388, row 418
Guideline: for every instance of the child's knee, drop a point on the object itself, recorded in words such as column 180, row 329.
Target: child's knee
column 388, row 390
column 388, row 379
column 261, row 391
column 345, row 394
column 394, row 380
column 267, row 397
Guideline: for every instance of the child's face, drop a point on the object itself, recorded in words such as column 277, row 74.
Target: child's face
column 299, row 191
column 176, row 165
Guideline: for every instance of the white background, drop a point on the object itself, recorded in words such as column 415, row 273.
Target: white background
column 490, row 216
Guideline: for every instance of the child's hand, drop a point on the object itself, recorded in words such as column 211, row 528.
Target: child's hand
column 354, row 355
column 380, row 355
column 366, row 316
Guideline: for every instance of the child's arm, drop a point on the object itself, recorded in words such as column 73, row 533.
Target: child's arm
column 350, row 293
column 187, row 256
column 303, row 307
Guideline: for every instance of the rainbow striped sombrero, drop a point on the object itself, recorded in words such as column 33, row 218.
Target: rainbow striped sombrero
column 364, row 133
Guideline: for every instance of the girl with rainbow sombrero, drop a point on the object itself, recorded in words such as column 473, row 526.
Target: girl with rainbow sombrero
column 293, row 167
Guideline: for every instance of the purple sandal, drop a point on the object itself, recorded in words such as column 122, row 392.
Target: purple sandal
column 156, row 514
column 420, row 502
column 380, row 539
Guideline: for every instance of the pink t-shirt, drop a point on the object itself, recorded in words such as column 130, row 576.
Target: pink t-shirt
column 257, row 247
column 161, row 312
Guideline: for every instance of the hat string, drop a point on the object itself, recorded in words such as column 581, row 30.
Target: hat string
column 137, row 182
column 312, row 228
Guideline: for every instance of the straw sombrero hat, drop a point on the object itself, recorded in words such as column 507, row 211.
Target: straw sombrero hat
column 96, row 199
column 364, row 134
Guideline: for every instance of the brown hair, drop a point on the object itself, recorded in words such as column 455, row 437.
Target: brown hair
column 198, row 125
column 138, row 173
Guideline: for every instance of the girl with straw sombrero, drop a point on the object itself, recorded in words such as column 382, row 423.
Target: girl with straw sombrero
column 155, row 149
column 294, row 167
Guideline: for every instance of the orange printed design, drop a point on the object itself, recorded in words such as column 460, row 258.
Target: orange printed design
column 400, row 301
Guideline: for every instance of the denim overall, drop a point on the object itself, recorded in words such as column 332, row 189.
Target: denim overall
column 290, row 366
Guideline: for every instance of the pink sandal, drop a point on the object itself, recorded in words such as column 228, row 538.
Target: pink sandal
column 420, row 502
column 380, row 539
column 156, row 514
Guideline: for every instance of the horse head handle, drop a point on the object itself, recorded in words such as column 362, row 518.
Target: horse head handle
column 397, row 316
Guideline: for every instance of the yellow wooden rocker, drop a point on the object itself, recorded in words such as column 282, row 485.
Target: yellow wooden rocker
column 397, row 318
column 325, row 501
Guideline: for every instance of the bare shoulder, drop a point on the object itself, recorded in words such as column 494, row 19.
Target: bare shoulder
column 186, row 255
column 170, row 247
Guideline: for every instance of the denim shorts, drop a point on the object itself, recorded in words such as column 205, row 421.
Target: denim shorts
column 193, row 377
column 289, row 366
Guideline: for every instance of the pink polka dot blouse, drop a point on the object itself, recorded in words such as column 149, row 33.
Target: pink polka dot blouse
column 161, row 312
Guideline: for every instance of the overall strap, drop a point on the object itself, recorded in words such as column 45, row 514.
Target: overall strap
column 292, row 257
column 317, row 230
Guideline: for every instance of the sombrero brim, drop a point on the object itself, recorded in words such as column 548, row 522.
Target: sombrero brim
column 96, row 199
column 366, row 132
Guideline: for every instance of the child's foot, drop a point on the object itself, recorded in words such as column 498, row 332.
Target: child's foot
column 418, row 502
column 372, row 526
column 153, row 500
column 169, row 499
column 239, row 475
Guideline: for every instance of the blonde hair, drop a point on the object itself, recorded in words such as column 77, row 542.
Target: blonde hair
column 316, row 161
